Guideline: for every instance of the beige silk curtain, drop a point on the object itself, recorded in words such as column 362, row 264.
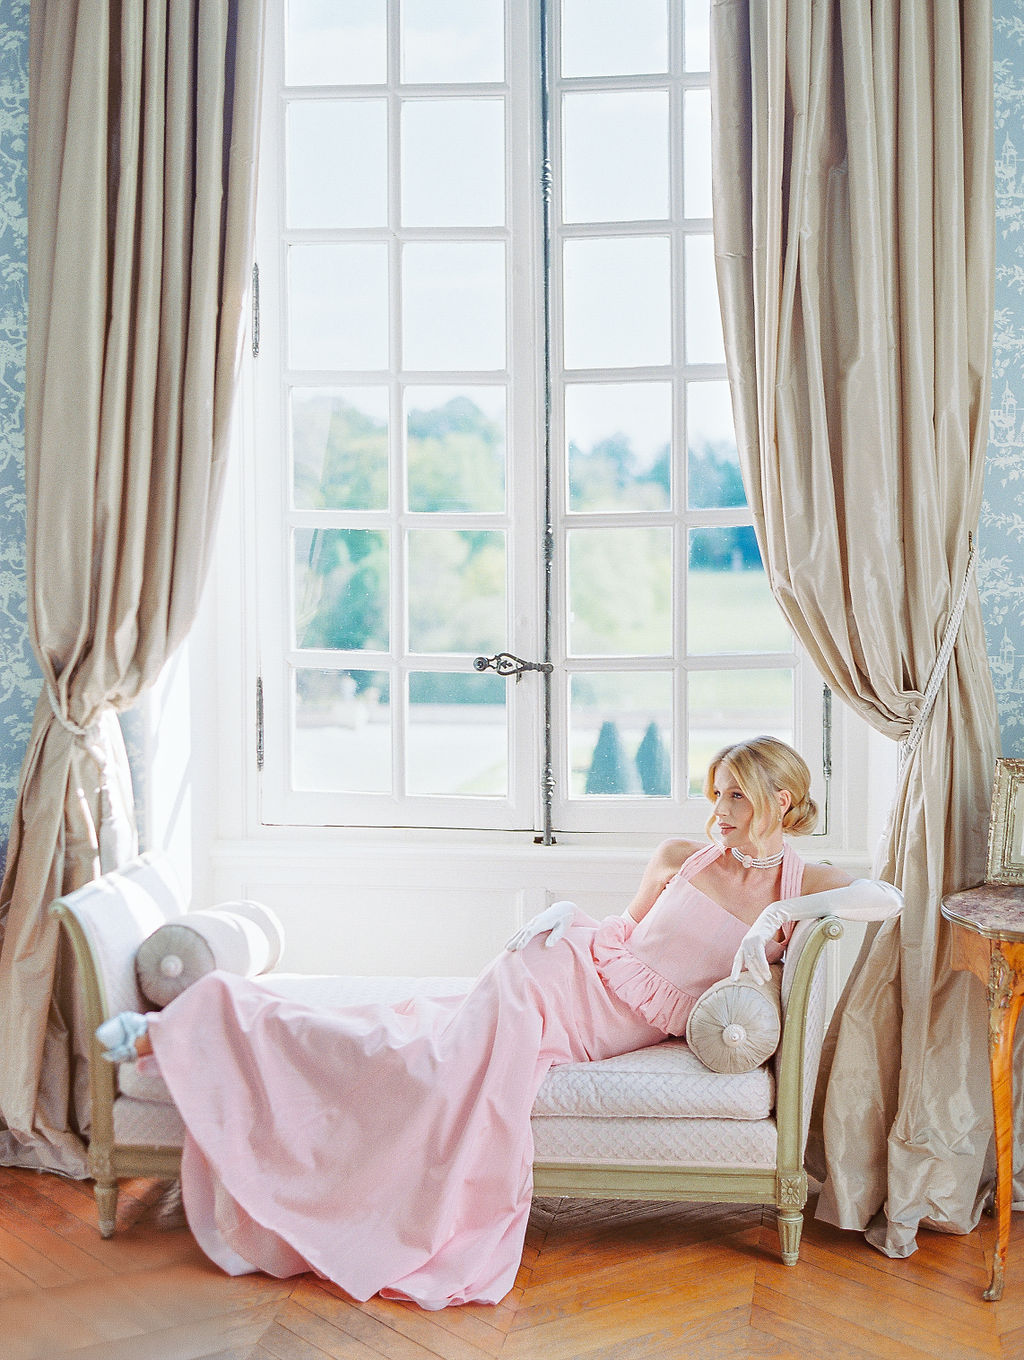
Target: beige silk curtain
column 853, row 181
column 142, row 135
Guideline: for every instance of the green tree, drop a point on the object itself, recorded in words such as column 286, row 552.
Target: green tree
column 611, row 770
column 714, row 477
column 456, row 457
column 609, row 475
column 718, row 549
column 340, row 454
column 652, row 763
column 346, row 590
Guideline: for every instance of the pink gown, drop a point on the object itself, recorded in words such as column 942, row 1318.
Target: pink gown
column 388, row 1147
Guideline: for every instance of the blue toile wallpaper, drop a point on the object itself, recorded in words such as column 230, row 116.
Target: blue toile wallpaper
column 1001, row 557
column 1001, row 538
column 19, row 675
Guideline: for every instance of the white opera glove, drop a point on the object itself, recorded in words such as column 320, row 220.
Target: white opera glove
column 555, row 919
column 865, row 899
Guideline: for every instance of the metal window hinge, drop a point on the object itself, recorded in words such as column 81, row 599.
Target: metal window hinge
column 255, row 309
column 259, row 722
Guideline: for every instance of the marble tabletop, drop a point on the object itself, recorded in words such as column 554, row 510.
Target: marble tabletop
column 992, row 909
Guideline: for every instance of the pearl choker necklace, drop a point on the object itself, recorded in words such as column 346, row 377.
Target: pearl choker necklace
column 751, row 862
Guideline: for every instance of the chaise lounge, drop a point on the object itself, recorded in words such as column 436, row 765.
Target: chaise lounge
column 656, row 1124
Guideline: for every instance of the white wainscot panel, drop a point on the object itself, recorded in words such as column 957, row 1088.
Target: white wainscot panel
column 374, row 931
column 420, row 911
column 404, row 911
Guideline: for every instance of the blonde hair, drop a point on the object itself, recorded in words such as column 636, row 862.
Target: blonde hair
column 764, row 767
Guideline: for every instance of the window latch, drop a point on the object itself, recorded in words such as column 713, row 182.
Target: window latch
column 506, row 664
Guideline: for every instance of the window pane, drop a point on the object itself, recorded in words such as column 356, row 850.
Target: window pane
column 340, row 448
column 445, row 40
column 697, row 153
column 454, row 295
column 698, row 35
column 456, row 448
column 704, row 343
column 729, row 607
column 338, row 306
column 619, row 439
column 618, row 302
column 713, row 462
column 728, row 706
column 616, row 156
column 453, row 163
column 620, row 734
column 458, row 734
column 341, row 589
column 337, row 163
column 457, row 590
column 342, row 734
column 620, row 592
column 336, row 42
column 614, row 37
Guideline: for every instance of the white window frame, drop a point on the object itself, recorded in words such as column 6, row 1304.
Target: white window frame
column 280, row 804
column 523, row 810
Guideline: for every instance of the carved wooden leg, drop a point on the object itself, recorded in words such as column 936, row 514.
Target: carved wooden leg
column 790, row 1198
column 791, row 1225
column 106, row 1203
column 1003, row 1009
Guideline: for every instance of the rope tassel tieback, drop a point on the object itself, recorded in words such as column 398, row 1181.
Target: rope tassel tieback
column 115, row 833
column 911, row 741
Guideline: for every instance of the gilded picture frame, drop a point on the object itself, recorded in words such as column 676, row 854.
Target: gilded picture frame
column 1006, row 824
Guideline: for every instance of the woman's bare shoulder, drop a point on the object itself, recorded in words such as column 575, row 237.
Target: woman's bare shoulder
column 673, row 854
column 822, row 877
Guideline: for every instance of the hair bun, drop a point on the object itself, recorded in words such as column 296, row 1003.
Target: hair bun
column 801, row 817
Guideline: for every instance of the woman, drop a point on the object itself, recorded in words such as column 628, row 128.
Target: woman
column 388, row 1148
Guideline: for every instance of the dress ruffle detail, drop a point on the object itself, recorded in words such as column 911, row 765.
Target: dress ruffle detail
column 660, row 1002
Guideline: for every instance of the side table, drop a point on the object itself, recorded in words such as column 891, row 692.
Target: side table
column 988, row 939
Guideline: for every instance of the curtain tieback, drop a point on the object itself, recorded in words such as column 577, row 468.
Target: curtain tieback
column 111, row 833
column 88, row 736
column 910, row 742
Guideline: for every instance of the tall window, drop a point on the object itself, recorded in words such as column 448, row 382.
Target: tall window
column 508, row 573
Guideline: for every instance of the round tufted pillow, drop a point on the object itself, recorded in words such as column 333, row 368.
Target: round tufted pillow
column 239, row 937
column 736, row 1026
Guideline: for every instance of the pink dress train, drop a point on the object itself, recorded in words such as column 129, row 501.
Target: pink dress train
column 388, row 1148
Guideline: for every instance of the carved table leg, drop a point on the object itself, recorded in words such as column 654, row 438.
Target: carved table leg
column 1003, row 1010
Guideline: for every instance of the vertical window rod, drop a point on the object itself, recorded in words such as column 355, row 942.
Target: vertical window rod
column 255, row 309
column 826, row 753
column 259, row 722
column 547, row 772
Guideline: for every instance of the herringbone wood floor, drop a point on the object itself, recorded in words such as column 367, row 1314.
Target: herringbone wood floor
column 599, row 1281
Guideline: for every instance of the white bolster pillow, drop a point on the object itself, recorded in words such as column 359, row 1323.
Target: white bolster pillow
column 238, row 937
column 735, row 1026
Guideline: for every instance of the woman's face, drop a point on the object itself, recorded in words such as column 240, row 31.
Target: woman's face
column 733, row 811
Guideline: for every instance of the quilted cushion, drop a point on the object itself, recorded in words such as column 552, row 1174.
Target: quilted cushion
column 143, row 1124
column 736, row 1026
column 142, row 1081
column 657, row 1142
column 239, row 937
column 663, row 1081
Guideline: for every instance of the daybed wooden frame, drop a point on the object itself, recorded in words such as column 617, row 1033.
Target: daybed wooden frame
column 783, row 1185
